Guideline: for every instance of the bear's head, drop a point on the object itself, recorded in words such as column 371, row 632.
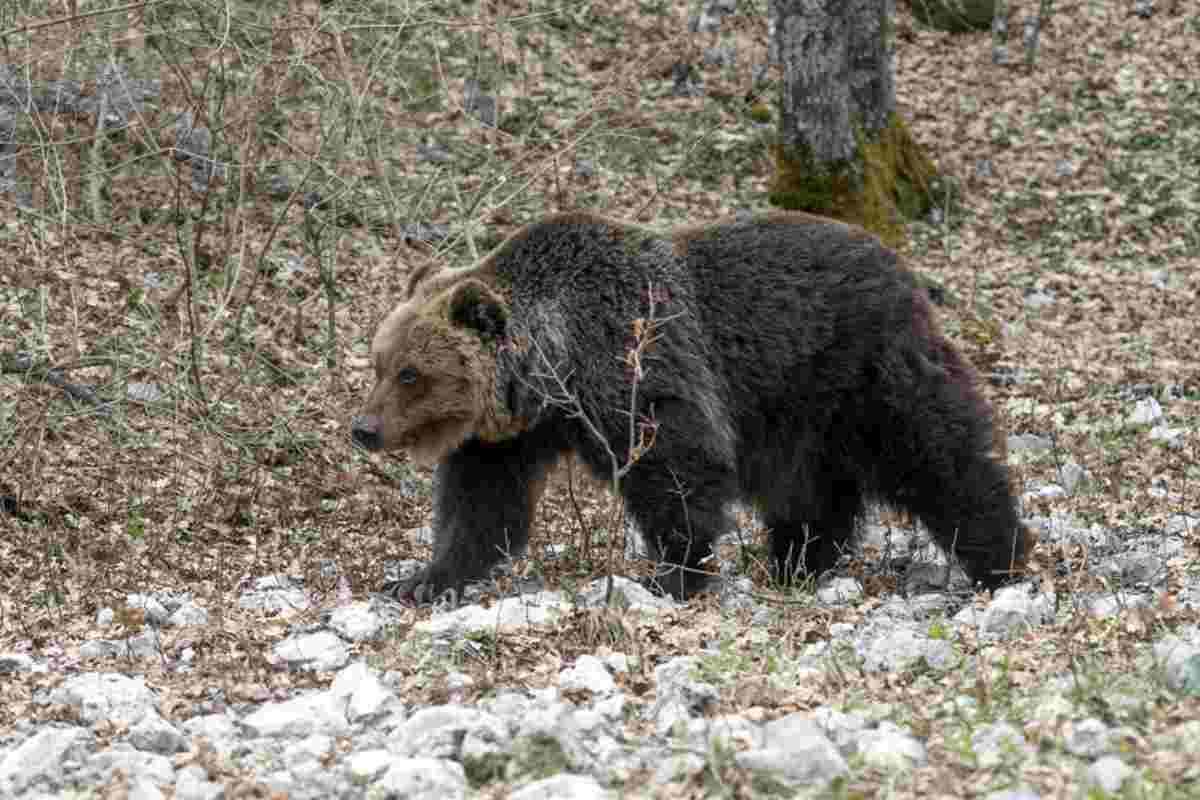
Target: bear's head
column 434, row 357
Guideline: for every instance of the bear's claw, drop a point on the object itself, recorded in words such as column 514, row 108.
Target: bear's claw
column 419, row 590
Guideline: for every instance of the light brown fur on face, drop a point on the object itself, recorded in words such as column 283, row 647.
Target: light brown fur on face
column 435, row 383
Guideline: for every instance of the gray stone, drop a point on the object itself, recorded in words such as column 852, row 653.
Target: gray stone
column 1088, row 738
column 1140, row 568
column 19, row 662
column 1074, row 477
column 364, row 694
column 841, row 728
column 279, row 186
column 42, row 756
column 618, row 663
column 219, row 729
column 1037, row 300
column 146, row 644
column 433, row 152
column 675, row 766
column 322, row 651
column 188, row 614
column 810, row 761
column 1182, row 523
column 156, row 735
column 133, row 763
column 904, row 648
column 1180, row 663
column 1146, row 411
column 891, row 748
column 357, row 622
column 588, row 674
column 1013, row 610
column 582, row 735
column 562, row 787
column 679, row 695
column 275, row 593
column 315, row 746
column 138, row 392
column 627, row 592
column 424, row 777
column 729, row 731
column 449, row 732
column 840, row 591
column 368, row 765
column 1173, row 438
column 478, row 103
column 1109, row 773
column 106, row 696
column 795, row 726
column 711, row 14
column 300, row 716
column 193, row 784
column 511, row 612
column 144, row 789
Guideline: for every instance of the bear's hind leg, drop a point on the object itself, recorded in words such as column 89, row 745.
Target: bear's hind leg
column 971, row 513
column 485, row 495
column 940, row 467
column 807, row 533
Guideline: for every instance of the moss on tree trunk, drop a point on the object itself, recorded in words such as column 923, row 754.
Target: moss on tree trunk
column 889, row 185
column 842, row 149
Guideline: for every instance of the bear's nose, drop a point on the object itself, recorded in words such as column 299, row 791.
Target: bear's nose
column 364, row 431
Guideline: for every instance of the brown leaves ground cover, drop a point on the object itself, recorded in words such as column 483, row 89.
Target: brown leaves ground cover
column 226, row 330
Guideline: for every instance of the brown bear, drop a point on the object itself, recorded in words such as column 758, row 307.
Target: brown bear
column 795, row 365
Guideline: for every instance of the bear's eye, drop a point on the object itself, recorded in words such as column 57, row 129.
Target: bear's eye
column 407, row 375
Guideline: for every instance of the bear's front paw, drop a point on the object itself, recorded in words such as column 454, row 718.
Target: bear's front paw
column 423, row 588
column 681, row 584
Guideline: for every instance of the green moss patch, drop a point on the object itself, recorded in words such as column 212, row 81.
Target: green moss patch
column 894, row 186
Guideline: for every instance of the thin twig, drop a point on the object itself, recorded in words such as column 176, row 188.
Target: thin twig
column 189, row 258
column 76, row 17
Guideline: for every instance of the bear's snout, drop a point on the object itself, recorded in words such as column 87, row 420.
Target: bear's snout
column 364, row 431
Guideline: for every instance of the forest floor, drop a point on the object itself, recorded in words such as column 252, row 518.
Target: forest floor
column 220, row 328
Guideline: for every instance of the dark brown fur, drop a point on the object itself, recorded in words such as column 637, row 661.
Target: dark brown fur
column 799, row 368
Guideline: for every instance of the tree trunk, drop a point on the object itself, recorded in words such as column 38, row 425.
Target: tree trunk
column 842, row 151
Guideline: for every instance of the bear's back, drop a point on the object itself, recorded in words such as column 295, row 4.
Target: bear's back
column 566, row 250
column 779, row 251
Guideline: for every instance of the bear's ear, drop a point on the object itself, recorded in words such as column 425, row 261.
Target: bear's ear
column 473, row 305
